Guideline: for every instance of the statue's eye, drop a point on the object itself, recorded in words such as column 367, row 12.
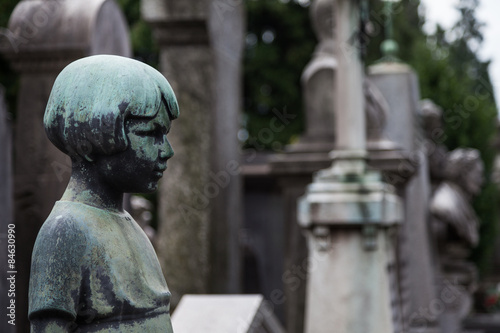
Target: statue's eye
column 156, row 133
column 146, row 133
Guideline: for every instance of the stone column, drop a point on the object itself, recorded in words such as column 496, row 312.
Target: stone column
column 45, row 36
column 399, row 85
column 6, row 210
column 349, row 212
column 200, row 202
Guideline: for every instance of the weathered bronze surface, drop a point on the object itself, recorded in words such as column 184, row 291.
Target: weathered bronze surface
column 93, row 268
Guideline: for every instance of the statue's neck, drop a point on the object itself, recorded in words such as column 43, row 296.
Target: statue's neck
column 85, row 186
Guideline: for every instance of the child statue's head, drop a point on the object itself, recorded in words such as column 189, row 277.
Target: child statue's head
column 113, row 113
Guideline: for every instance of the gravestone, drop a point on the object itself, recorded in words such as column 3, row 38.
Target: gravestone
column 225, row 314
column 44, row 37
column 455, row 230
column 200, row 212
column 6, row 211
column 398, row 84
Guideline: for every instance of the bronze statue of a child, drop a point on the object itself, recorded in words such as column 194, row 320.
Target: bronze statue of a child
column 93, row 268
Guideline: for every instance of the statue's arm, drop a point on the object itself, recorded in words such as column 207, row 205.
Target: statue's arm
column 55, row 279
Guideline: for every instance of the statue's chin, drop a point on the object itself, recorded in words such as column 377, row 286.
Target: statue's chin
column 151, row 187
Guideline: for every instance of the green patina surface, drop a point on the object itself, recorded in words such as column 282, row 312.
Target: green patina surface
column 98, row 270
column 93, row 268
column 92, row 96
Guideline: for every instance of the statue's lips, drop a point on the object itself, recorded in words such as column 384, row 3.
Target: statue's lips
column 159, row 171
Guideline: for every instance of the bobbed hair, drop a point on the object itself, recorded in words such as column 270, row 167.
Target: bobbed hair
column 93, row 97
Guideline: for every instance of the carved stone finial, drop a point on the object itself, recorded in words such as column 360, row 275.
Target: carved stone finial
column 389, row 46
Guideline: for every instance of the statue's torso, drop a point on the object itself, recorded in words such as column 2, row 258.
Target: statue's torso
column 100, row 268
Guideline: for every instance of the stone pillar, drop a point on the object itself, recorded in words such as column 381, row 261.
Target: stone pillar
column 349, row 213
column 227, row 34
column 45, row 36
column 200, row 201
column 399, row 85
column 6, row 210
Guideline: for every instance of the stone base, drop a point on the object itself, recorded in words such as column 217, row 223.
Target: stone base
column 225, row 314
column 348, row 288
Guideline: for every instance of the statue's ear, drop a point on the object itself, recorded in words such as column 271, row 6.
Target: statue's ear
column 84, row 150
column 88, row 158
column 79, row 158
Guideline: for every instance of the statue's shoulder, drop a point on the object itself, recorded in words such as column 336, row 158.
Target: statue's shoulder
column 64, row 225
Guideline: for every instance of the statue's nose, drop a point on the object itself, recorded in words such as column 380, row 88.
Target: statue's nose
column 166, row 152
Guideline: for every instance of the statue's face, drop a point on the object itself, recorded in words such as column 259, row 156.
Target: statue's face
column 139, row 168
column 474, row 178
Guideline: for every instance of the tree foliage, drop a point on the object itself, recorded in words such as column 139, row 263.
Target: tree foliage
column 143, row 46
column 279, row 43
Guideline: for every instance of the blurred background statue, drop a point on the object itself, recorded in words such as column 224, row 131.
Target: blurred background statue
column 455, row 226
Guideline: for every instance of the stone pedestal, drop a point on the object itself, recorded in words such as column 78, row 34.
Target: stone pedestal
column 200, row 198
column 6, row 210
column 350, row 251
column 225, row 314
column 46, row 36
column 353, row 279
column 399, row 85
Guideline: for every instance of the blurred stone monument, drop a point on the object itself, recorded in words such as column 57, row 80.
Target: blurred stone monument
column 294, row 169
column 455, row 230
column 6, row 210
column 201, row 45
column 415, row 271
column 486, row 319
column 44, row 37
column 349, row 212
